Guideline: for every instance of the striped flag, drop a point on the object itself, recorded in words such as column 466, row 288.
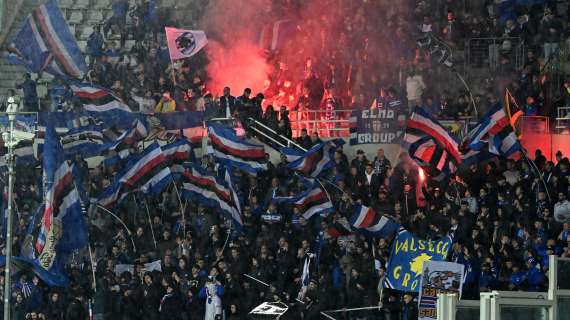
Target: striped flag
column 426, row 152
column 495, row 132
column 131, row 137
column 87, row 141
column 231, row 150
column 212, row 192
column 367, row 221
column 63, row 228
column 98, row 99
column 147, row 172
column 45, row 44
column 316, row 161
column 424, row 123
column 313, row 200
column 178, row 151
column 316, row 201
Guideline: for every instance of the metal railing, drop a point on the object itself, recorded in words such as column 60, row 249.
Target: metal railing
column 535, row 125
column 497, row 54
column 563, row 120
column 333, row 123
column 270, row 134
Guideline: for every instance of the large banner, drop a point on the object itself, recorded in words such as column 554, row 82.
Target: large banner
column 438, row 277
column 378, row 125
column 407, row 259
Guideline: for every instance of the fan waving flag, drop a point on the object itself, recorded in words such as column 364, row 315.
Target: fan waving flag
column 315, row 161
column 45, row 44
column 205, row 188
column 367, row 221
column 310, row 202
column 430, row 144
column 63, row 228
column 427, row 152
column 423, row 122
column 495, row 132
column 98, row 99
column 131, row 137
column 184, row 43
column 147, row 172
column 232, row 150
column 178, row 151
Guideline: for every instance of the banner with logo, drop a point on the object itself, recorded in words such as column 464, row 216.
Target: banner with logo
column 407, row 259
column 438, row 277
column 378, row 125
column 184, row 43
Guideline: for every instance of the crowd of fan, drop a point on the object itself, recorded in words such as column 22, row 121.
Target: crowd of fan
column 500, row 215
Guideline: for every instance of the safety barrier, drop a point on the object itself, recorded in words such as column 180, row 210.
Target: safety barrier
column 495, row 53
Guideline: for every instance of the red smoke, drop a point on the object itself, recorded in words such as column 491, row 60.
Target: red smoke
column 235, row 60
column 238, row 67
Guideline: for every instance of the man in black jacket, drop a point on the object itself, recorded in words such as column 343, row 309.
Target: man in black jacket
column 149, row 298
column 227, row 104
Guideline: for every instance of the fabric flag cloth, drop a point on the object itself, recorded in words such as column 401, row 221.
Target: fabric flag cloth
column 407, row 258
column 316, row 161
column 212, row 192
column 63, row 228
column 427, row 152
column 494, row 132
column 231, row 150
column 178, row 152
column 147, row 172
column 367, row 221
column 95, row 98
column 310, row 202
column 86, row 141
column 184, row 43
column 229, row 182
column 24, row 151
column 305, row 277
column 274, row 36
column 53, row 278
column 423, row 122
column 315, row 202
column 138, row 131
column 45, row 44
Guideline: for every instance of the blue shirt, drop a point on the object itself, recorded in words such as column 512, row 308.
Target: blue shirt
column 30, row 93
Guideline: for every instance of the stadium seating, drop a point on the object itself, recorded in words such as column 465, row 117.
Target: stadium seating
column 82, row 16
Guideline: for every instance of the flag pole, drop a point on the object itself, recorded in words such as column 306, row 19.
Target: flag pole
column 535, row 168
column 182, row 209
column 150, row 223
column 11, row 176
column 122, row 222
column 92, row 267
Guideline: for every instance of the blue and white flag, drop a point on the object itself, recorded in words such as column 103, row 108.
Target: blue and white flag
column 367, row 221
column 212, row 192
column 97, row 99
column 87, row 141
column 231, row 150
column 63, row 226
column 316, row 161
column 147, row 172
column 310, row 202
column 45, row 44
